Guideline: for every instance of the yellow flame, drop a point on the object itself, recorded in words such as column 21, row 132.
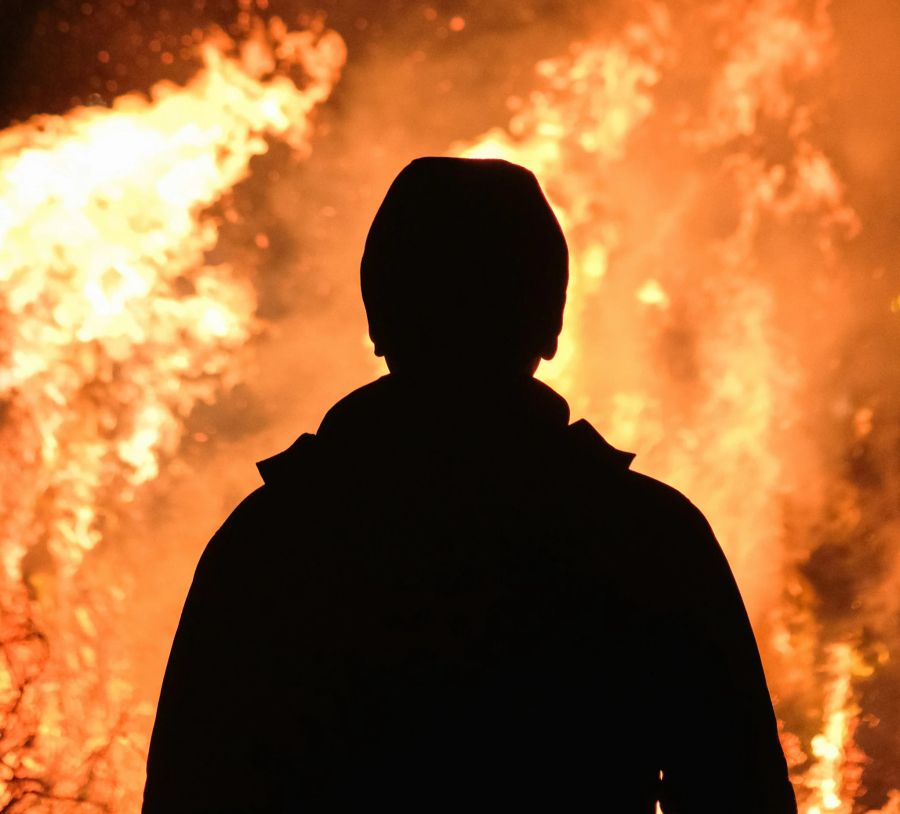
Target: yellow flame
column 114, row 327
column 706, row 405
column 102, row 244
column 826, row 779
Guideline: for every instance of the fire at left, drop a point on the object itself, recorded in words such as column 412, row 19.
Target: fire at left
column 113, row 327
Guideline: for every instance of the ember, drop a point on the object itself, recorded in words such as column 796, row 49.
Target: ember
column 686, row 153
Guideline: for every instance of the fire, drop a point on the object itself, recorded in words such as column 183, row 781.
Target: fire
column 706, row 222
column 826, row 778
column 114, row 327
column 705, row 393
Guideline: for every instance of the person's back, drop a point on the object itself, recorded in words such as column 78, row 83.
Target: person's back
column 452, row 597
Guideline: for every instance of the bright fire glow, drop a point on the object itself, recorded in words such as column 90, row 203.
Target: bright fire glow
column 705, row 393
column 114, row 326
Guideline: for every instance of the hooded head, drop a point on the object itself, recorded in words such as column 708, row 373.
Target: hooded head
column 464, row 264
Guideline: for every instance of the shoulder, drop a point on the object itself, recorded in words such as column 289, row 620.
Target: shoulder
column 655, row 499
column 294, row 463
column 662, row 503
column 668, row 528
column 238, row 537
column 262, row 550
column 656, row 516
column 270, row 518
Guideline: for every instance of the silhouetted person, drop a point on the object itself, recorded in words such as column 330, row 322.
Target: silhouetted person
column 451, row 598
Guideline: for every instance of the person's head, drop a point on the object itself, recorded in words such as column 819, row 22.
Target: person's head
column 465, row 267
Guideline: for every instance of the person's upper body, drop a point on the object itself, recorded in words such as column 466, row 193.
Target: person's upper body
column 452, row 597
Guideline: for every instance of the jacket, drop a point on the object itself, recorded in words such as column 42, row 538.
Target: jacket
column 450, row 599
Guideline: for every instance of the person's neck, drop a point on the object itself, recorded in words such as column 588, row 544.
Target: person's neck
column 477, row 383
column 474, row 400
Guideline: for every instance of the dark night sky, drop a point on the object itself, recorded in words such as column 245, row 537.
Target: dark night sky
column 49, row 56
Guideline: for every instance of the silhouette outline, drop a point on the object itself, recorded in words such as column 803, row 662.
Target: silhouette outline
column 450, row 597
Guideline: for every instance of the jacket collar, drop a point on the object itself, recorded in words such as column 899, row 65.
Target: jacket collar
column 445, row 408
column 391, row 410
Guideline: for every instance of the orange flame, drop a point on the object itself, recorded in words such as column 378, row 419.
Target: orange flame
column 114, row 328
column 727, row 379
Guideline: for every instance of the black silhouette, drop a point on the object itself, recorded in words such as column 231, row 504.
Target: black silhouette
column 451, row 598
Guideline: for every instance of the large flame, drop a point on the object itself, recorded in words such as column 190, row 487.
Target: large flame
column 683, row 156
column 114, row 327
column 696, row 372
